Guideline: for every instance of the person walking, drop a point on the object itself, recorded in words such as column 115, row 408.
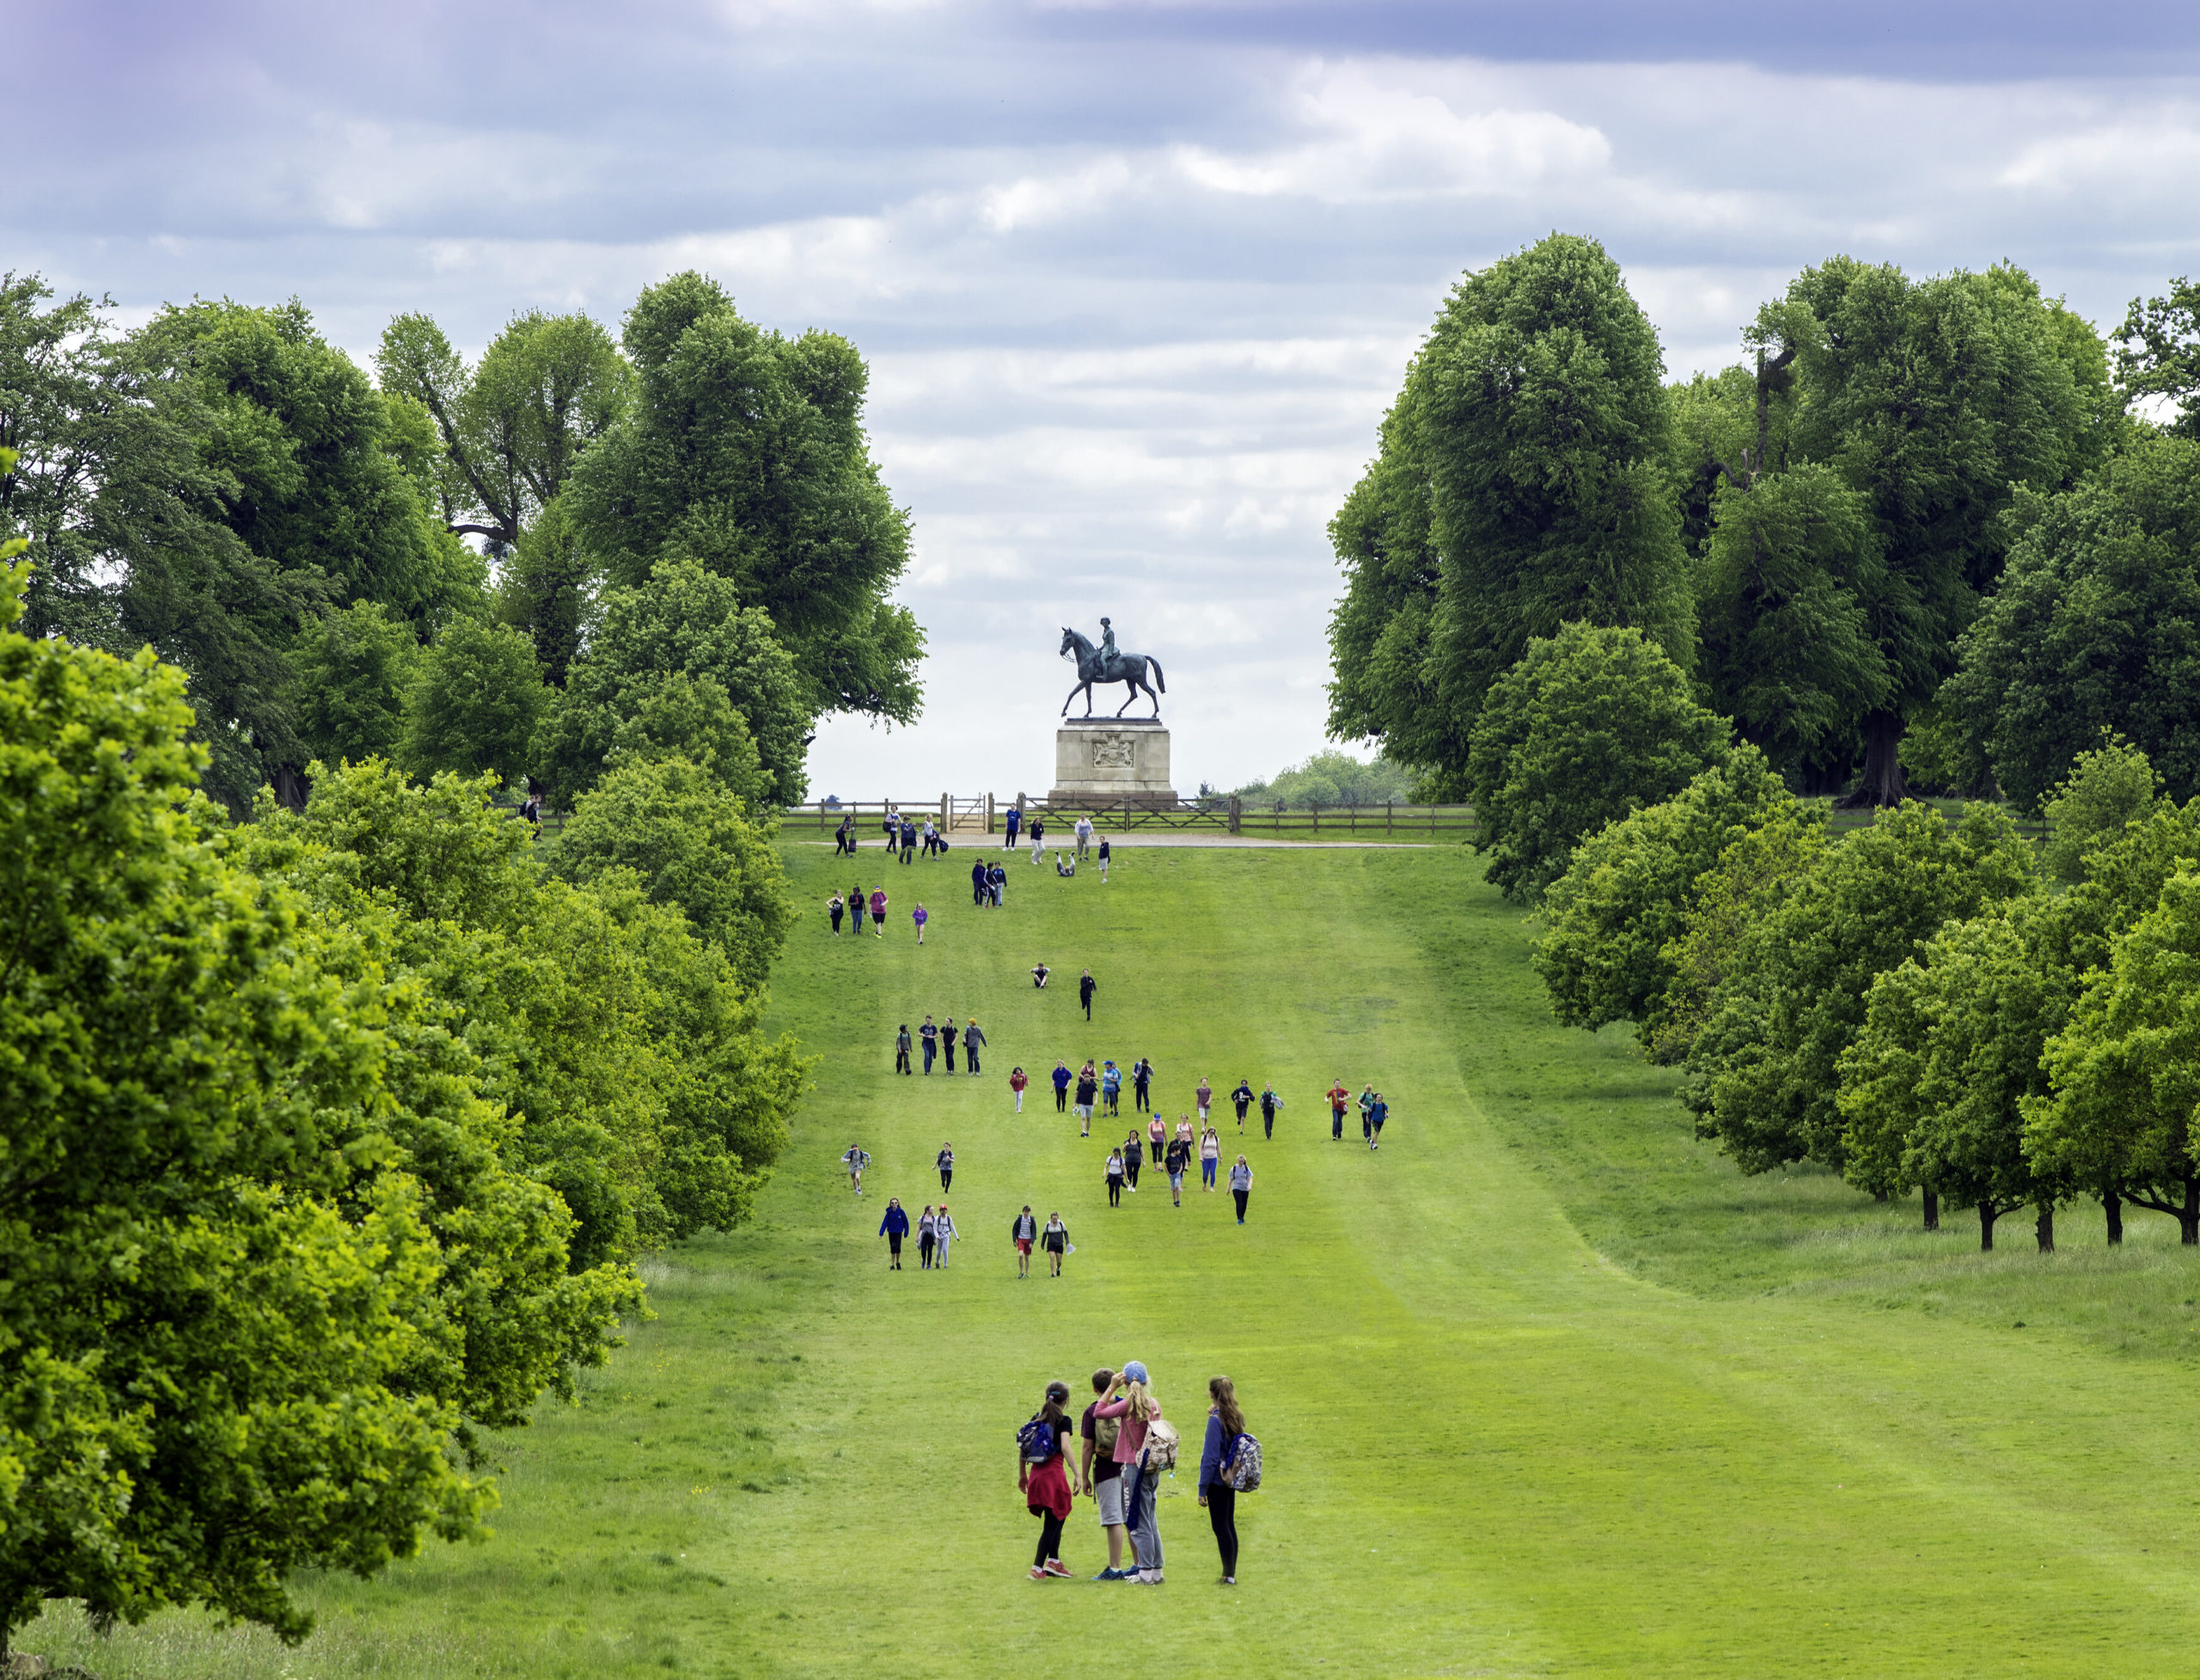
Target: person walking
column 1087, row 1086
column 1038, row 835
column 1023, row 1232
column 1338, row 1097
column 1102, row 1475
column 902, row 1044
column 1133, row 1153
column 1242, row 1099
column 931, row 838
column 1136, row 1411
column 1054, row 1238
column 1017, row 1081
column 1103, row 860
column 894, row 1227
column 1085, row 987
column 1084, row 832
column 1111, row 1088
column 1377, row 1112
column 943, row 1233
column 1061, row 1086
column 878, row 913
column 973, row 1042
column 929, row 1035
column 946, row 1165
column 1015, row 821
column 1205, row 1095
column 1141, row 1083
column 1269, row 1103
column 1156, row 1134
column 842, row 842
column 920, row 916
column 925, row 1239
column 978, row 884
column 908, row 841
column 1178, row 1159
column 1366, row 1104
column 855, row 902
column 1240, row 1186
column 855, row 1161
column 1042, row 1477
column 996, row 884
column 1224, row 1424
column 1114, row 1178
column 1184, row 1133
column 947, row 1039
column 835, row 909
column 1210, row 1158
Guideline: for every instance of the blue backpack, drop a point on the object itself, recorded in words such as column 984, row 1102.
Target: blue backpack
column 1038, row 1442
column 1241, row 1466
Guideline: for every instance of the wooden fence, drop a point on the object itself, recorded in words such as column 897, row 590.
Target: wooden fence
column 988, row 814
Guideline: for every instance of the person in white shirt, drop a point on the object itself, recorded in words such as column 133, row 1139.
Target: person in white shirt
column 1084, row 836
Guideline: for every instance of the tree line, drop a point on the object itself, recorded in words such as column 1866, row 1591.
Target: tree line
column 1919, row 532
column 521, row 565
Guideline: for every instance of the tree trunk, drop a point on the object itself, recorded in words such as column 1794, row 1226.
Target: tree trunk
column 1988, row 1212
column 1882, row 783
column 2112, row 1202
column 2046, row 1228
column 291, row 786
column 2188, row 1217
column 1932, row 1209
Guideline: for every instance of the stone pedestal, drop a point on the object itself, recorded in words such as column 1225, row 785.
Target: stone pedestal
column 1108, row 761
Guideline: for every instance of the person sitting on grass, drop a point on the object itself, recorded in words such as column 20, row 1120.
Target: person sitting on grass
column 1039, row 973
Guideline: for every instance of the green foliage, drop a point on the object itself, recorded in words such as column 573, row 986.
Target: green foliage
column 351, row 671
column 684, row 621
column 476, row 706
column 228, row 1301
column 2092, row 628
column 511, row 427
column 2124, row 1074
column 687, row 838
column 1763, row 1073
column 546, row 588
column 1611, row 920
column 1589, row 725
column 744, row 452
column 690, row 718
column 1520, row 487
column 2107, row 790
column 1328, row 778
column 1934, row 1085
column 2158, row 353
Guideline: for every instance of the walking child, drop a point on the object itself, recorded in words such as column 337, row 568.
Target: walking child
column 1016, row 1083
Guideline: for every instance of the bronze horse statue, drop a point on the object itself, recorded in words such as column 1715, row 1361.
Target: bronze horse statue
column 1130, row 668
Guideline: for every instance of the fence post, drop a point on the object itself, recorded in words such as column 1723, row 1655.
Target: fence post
column 1315, row 806
column 1386, row 817
column 1236, row 814
column 989, row 812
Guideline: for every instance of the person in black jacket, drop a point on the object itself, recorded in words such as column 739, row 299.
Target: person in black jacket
column 978, row 884
column 973, row 1040
column 1179, row 1158
column 1242, row 1099
column 1141, row 1080
column 902, row 1045
column 1085, row 987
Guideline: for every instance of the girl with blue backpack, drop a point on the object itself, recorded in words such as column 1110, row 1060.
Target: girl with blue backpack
column 1042, row 1477
column 1230, row 1464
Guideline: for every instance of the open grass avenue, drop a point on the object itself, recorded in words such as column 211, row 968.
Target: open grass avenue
column 1545, row 1388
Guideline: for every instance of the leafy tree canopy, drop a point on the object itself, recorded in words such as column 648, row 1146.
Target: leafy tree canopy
column 2107, row 790
column 2158, row 353
column 351, row 671
column 1590, row 724
column 745, row 452
column 476, row 704
column 1328, row 778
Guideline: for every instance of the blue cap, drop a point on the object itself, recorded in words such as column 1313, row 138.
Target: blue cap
column 1135, row 1372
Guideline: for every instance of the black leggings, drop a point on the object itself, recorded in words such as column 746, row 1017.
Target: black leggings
column 1222, row 1513
column 1062, row 1099
column 946, row 1178
column 1114, row 1193
column 1242, row 1196
column 1050, row 1539
column 1130, row 1166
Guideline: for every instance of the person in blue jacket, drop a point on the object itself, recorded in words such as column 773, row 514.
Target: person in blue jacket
column 1015, row 821
column 894, row 1227
column 1377, row 1112
column 1061, row 1087
column 1224, row 1424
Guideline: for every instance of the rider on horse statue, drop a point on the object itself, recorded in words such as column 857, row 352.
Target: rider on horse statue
column 1110, row 665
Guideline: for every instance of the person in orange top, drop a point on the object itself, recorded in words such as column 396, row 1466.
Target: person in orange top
column 1338, row 1097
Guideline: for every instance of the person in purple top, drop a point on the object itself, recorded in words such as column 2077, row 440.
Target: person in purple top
column 919, row 916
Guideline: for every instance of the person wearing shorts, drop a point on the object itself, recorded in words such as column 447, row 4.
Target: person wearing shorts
column 1054, row 1238
column 1377, row 1112
column 1179, row 1158
column 894, row 1227
column 878, row 913
column 1103, row 1477
column 1205, row 1095
column 1087, row 1086
column 1023, row 1232
column 1103, row 860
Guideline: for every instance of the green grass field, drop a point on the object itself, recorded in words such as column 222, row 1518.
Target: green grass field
column 1546, row 1388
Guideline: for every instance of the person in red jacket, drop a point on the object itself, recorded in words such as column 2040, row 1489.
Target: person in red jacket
column 1017, row 1081
column 1045, row 1483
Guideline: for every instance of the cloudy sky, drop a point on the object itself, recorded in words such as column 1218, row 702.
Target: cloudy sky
column 1136, row 280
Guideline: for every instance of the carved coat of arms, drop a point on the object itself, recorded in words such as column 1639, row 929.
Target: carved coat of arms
column 1113, row 752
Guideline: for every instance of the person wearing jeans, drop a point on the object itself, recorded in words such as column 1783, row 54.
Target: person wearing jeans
column 1137, row 1408
column 1224, row 1424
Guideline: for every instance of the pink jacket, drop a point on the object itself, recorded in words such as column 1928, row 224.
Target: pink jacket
column 1132, row 1436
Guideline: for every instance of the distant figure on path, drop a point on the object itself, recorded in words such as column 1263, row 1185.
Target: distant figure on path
column 1086, row 985
column 835, row 907
column 1015, row 821
column 931, row 837
column 925, row 1238
column 1042, row 1477
column 1055, row 1239
column 902, row 1048
column 973, row 1042
column 1061, row 1086
column 1023, row 1232
column 894, row 1227
column 1338, row 1097
column 908, row 841
column 1017, row 1081
column 843, row 840
column 1269, row 1103
column 1240, row 1186
column 1038, row 835
column 855, row 1160
column 946, row 1165
column 892, row 824
column 943, row 1232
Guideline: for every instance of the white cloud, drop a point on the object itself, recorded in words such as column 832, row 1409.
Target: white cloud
column 2118, row 158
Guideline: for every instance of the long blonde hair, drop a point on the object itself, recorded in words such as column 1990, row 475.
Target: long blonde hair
column 1143, row 1406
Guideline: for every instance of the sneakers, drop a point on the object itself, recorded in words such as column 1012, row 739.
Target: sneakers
column 1037, row 1573
column 1111, row 1575
column 1055, row 1566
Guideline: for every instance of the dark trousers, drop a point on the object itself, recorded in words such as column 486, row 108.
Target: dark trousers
column 924, row 1252
column 1222, row 1514
column 1050, row 1538
column 1241, row 1113
column 1242, row 1197
column 1138, row 1090
column 1336, row 1123
column 1062, row 1099
column 972, row 1052
column 908, row 854
column 946, row 1177
column 1157, row 1155
column 901, row 1061
column 947, row 1048
column 857, row 918
column 931, row 1050
column 1088, row 1005
column 893, row 1248
column 1130, row 1166
column 1268, row 1122
column 1114, row 1193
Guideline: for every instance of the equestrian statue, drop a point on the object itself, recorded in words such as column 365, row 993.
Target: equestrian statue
column 1105, row 664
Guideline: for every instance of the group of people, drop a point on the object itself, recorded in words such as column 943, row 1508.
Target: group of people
column 935, row 1231
column 1373, row 1111
column 987, row 882
column 1124, row 1447
column 1173, row 1154
column 903, row 836
column 935, row 1039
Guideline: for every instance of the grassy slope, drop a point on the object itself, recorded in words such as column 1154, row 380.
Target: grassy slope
column 1545, row 1389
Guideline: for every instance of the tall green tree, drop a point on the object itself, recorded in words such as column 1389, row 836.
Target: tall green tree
column 476, row 703
column 546, row 589
column 1590, row 724
column 2158, row 353
column 512, row 426
column 350, row 672
column 1522, row 486
column 2095, row 625
column 1764, row 1074
column 745, row 452
column 2107, row 790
